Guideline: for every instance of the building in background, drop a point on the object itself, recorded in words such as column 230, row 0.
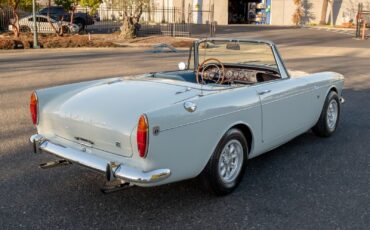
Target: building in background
column 274, row 12
column 224, row 12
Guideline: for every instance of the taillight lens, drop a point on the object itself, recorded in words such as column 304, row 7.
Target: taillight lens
column 142, row 136
column 33, row 108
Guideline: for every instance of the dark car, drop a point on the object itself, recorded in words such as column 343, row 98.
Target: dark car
column 59, row 13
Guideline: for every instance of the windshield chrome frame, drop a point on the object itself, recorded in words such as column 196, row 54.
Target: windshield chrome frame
column 279, row 62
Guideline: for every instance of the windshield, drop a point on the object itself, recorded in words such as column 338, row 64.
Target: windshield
column 248, row 53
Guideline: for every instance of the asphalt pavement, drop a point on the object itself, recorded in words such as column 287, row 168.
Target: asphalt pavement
column 308, row 183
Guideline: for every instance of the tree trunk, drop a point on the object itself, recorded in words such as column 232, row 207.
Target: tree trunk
column 58, row 33
column 2, row 11
column 131, row 24
column 332, row 12
column 72, row 13
column 128, row 30
column 15, row 24
column 324, row 9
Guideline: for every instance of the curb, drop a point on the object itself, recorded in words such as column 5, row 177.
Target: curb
column 334, row 30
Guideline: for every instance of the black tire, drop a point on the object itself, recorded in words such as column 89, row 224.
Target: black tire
column 25, row 29
column 211, row 175
column 81, row 24
column 322, row 127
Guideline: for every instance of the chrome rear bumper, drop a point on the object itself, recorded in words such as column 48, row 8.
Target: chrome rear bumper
column 111, row 169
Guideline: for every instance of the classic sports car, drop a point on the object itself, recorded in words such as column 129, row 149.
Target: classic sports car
column 232, row 101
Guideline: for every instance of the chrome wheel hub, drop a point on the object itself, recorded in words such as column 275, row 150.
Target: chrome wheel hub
column 230, row 161
column 332, row 114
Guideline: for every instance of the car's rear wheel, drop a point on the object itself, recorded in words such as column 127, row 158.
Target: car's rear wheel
column 226, row 167
column 329, row 118
column 25, row 29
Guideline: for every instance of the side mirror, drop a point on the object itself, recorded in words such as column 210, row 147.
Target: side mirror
column 182, row 66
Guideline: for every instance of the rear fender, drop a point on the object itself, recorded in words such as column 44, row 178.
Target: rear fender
column 186, row 140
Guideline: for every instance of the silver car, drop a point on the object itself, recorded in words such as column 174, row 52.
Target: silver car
column 44, row 26
column 233, row 100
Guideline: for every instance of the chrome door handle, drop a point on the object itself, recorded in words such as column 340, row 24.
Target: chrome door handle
column 264, row 92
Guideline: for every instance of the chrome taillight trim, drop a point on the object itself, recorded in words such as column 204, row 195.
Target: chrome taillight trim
column 37, row 108
column 147, row 136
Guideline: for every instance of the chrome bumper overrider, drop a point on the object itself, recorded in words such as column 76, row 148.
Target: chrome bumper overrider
column 111, row 169
column 341, row 100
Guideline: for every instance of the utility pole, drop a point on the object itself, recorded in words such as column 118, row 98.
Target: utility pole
column 35, row 43
column 163, row 17
column 332, row 13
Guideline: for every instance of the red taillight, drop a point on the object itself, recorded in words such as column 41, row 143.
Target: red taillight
column 142, row 136
column 33, row 108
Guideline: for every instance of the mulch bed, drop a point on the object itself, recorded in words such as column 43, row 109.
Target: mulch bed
column 25, row 41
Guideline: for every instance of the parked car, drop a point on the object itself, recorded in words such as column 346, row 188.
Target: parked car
column 43, row 25
column 232, row 101
column 96, row 17
column 58, row 13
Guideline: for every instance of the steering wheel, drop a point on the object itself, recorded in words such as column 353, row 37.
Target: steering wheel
column 218, row 76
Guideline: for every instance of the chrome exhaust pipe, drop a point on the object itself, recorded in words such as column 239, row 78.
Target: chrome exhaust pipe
column 36, row 140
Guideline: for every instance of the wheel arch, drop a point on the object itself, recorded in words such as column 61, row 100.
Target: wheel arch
column 332, row 88
column 247, row 132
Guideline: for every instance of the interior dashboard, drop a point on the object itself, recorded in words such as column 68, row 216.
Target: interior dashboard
column 246, row 75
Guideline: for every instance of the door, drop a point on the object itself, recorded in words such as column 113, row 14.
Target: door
column 285, row 106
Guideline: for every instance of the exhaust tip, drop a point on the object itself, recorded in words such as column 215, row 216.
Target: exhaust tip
column 36, row 140
column 109, row 172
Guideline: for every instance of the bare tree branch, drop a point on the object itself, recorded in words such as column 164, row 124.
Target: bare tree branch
column 51, row 24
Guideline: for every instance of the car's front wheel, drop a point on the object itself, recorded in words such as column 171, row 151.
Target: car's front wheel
column 226, row 167
column 329, row 118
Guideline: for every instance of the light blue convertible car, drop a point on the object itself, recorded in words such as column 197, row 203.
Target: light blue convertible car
column 232, row 101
